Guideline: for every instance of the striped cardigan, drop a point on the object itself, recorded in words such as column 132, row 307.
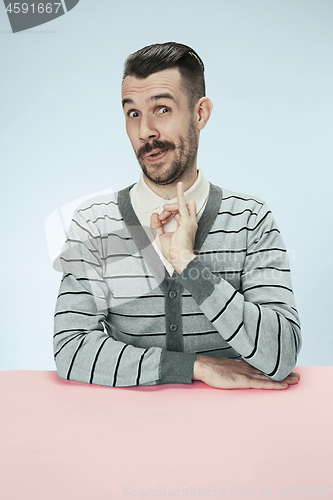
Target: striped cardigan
column 122, row 320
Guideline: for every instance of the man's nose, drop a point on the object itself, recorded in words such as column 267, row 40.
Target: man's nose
column 147, row 129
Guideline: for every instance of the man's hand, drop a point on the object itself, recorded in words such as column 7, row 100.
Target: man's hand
column 177, row 247
column 224, row 373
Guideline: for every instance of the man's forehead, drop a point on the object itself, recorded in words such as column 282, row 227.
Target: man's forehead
column 167, row 81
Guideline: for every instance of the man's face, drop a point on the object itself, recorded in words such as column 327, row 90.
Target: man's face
column 160, row 126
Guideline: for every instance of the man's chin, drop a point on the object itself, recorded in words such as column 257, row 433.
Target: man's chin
column 161, row 178
column 158, row 172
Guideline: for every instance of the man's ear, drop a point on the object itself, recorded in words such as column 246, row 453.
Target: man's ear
column 203, row 110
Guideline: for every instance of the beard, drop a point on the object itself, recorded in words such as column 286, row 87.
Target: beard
column 184, row 158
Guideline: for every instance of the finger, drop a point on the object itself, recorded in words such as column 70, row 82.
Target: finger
column 265, row 379
column 192, row 209
column 171, row 207
column 182, row 207
column 275, row 386
column 293, row 375
column 166, row 215
column 258, row 383
column 291, row 380
column 156, row 224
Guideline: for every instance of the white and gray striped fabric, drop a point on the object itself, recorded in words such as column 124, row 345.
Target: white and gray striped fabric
column 122, row 320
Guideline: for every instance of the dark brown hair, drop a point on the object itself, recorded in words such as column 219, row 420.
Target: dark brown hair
column 160, row 56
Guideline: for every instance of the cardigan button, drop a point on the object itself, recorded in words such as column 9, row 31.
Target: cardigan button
column 173, row 328
column 172, row 294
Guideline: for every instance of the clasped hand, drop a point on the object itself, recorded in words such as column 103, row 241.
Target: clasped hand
column 178, row 246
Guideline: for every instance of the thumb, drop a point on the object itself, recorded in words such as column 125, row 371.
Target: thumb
column 156, row 224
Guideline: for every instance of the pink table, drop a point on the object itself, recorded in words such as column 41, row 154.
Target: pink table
column 65, row 440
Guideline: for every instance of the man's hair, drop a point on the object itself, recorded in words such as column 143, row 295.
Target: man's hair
column 160, row 56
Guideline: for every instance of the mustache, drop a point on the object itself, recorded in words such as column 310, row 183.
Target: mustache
column 156, row 144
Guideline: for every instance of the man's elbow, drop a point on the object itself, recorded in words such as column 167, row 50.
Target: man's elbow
column 286, row 366
column 289, row 354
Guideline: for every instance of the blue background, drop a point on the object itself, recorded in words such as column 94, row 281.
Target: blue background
column 62, row 137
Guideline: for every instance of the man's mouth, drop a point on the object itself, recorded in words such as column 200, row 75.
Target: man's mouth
column 157, row 154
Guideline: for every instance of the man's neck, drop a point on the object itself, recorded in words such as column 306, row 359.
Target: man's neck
column 169, row 191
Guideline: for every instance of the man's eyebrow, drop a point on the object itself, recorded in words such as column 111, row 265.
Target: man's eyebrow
column 127, row 101
column 161, row 96
column 153, row 98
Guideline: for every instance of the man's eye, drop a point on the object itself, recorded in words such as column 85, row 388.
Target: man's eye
column 163, row 110
column 133, row 114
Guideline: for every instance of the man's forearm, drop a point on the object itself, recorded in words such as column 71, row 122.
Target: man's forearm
column 262, row 334
column 225, row 373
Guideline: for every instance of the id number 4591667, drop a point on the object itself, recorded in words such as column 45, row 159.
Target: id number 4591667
column 39, row 8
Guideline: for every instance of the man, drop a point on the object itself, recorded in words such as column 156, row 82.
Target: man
column 204, row 293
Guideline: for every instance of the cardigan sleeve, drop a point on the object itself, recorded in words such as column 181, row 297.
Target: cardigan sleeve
column 84, row 349
column 260, row 320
